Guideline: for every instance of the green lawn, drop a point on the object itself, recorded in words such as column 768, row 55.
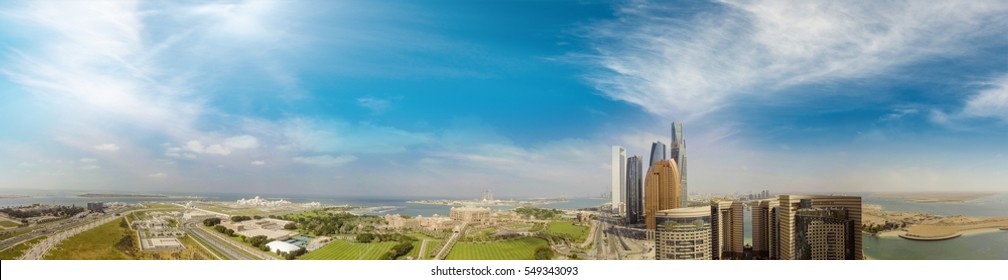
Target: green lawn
column 18, row 250
column 519, row 249
column 577, row 232
column 98, row 243
column 432, row 247
column 346, row 250
column 413, row 253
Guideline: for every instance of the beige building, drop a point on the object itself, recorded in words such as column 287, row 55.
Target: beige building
column 763, row 220
column 728, row 232
column 683, row 234
column 819, row 227
column 470, row 214
column 661, row 190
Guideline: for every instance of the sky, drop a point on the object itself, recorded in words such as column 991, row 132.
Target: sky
column 446, row 98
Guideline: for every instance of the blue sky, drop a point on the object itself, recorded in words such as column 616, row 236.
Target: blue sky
column 445, row 98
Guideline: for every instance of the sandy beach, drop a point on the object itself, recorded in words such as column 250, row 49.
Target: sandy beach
column 924, row 226
column 935, row 197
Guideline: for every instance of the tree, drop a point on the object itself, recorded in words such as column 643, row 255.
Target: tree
column 365, row 237
column 258, row 241
column 544, row 253
column 211, row 222
column 290, row 226
column 240, row 218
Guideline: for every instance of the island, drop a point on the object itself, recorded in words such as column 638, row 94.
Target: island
column 111, row 195
column 935, row 197
column 924, row 226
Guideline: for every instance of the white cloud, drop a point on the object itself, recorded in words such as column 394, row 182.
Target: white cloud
column 87, row 160
column 376, row 105
column 242, row 142
column 683, row 69
column 991, row 102
column 258, row 162
column 342, row 137
column 157, row 175
column 193, row 147
column 89, row 167
column 326, row 160
column 107, row 147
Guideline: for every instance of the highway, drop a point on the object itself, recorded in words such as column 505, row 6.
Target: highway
column 222, row 243
column 195, row 231
column 40, row 250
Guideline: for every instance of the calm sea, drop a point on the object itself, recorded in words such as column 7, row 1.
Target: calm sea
column 985, row 246
column 378, row 206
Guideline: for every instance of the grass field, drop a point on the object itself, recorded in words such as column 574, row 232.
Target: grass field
column 519, row 249
column 16, row 251
column 232, row 211
column 578, row 232
column 346, row 250
column 9, row 223
column 432, row 247
column 12, row 234
column 413, row 253
column 98, row 243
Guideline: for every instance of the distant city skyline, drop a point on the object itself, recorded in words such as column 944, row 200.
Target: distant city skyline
column 369, row 99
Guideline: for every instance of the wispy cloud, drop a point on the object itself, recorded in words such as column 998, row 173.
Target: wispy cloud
column 258, row 162
column 325, row 160
column 990, row 102
column 194, row 147
column 376, row 105
column 682, row 65
column 107, row 147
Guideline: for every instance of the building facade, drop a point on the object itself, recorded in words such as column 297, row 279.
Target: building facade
column 661, row 190
column 728, row 233
column 683, row 234
column 823, row 234
column 763, row 219
column 635, row 190
column 818, row 227
column 678, row 153
column 657, row 153
column 470, row 214
column 618, row 179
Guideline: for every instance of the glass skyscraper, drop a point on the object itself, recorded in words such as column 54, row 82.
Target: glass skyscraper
column 657, row 153
column 678, row 153
column 634, row 190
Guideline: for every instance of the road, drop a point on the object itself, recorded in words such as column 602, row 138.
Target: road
column 218, row 241
column 51, row 227
column 40, row 250
column 229, row 252
column 451, row 242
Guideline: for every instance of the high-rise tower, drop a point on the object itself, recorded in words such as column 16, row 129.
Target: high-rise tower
column 618, row 179
column 661, row 190
column 657, row 153
column 635, row 190
column 678, row 153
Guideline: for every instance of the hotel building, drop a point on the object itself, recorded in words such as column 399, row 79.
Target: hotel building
column 661, row 190
column 683, row 234
column 728, row 231
column 818, row 227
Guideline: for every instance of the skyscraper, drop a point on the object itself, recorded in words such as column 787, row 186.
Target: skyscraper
column 818, row 227
column 763, row 218
column 618, row 179
column 683, row 234
column 661, row 190
column 678, row 153
column 635, row 190
column 727, row 231
column 657, row 153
